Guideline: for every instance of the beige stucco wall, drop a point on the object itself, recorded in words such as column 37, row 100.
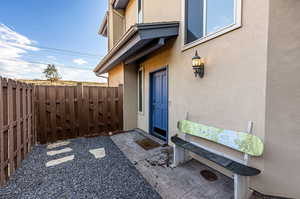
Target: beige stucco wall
column 282, row 154
column 131, row 14
column 128, row 77
column 116, row 76
column 118, row 26
column 251, row 75
column 130, row 97
column 233, row 89
column 154, row 11
column 110, row 26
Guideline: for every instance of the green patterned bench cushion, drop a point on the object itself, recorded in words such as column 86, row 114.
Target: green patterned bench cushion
column 240, row 141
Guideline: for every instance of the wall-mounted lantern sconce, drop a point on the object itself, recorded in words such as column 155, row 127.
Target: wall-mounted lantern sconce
column 198, row 65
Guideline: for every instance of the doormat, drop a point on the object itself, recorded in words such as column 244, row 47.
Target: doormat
column 147, row 144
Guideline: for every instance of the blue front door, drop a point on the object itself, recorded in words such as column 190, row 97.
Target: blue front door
column 159, row 104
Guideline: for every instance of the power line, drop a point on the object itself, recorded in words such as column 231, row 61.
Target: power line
column 46, row 56
column 36, row 62
column 65, row 50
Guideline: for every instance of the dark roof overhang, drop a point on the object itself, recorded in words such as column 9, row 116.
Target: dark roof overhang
column 120, row 4
column 139, row 41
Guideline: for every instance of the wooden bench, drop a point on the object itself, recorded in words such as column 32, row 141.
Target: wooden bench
column 246, row 143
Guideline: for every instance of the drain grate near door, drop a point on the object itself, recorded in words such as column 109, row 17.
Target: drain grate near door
column 209, row 175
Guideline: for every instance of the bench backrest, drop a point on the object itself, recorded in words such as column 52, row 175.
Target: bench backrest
column 240, row 141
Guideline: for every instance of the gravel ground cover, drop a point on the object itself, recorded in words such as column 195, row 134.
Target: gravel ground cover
column 113, row 176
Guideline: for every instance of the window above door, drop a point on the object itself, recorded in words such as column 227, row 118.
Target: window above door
column 207, row 19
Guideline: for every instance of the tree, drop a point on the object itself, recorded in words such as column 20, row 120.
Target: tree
column 51, row 73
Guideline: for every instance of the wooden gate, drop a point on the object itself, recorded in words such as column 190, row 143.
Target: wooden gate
column 65, row 112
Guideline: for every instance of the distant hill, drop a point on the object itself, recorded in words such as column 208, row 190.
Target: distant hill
column 61, row 83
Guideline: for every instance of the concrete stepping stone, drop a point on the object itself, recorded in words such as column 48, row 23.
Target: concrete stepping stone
column 65, row 150
column 59, row 161
column 58, row 144
column 98, row 153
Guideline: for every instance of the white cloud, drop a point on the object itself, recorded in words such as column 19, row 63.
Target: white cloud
column 78, row 74
column 12, row 47
column 79, row 61
column 51, row 57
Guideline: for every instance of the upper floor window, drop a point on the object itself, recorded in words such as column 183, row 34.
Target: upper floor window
column 139, row 11
column 205, row 19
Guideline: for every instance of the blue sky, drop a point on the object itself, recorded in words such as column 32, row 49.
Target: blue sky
column 27, row 26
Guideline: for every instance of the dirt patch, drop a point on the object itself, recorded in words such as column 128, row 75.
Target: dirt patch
column 162, row 159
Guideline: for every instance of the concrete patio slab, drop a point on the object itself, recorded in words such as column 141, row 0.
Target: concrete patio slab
column 184, row 181
column 56, row 152
column 98, row 153
column 58, row 144
column 59, row 161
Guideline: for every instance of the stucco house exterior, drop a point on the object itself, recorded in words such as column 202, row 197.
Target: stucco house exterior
column 251, row 50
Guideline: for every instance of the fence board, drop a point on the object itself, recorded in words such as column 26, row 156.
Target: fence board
column 52, row 99
column 80, row 109
column 10, row 124
column 42, row 131
column 19, row 119
column 105, row 111
column 61, row 115
column 29, row 120
column 2, row 176
column 71, row 102
column 120, row 106
column 86, row 109
column 24, row 120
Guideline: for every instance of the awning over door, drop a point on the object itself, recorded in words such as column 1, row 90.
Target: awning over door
column 139, row 41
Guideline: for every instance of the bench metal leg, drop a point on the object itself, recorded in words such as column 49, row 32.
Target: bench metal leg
column 240, row 187
column 178, row 156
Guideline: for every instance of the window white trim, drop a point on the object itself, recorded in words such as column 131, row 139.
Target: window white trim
column 207, row 37
column 141, row 69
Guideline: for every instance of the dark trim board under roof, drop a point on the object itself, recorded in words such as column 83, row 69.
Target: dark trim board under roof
column 139, row 41
column 120, row 4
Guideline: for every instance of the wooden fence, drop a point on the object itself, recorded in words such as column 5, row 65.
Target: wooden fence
column 31, row 114
column 17, row 132
column 65, row 112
